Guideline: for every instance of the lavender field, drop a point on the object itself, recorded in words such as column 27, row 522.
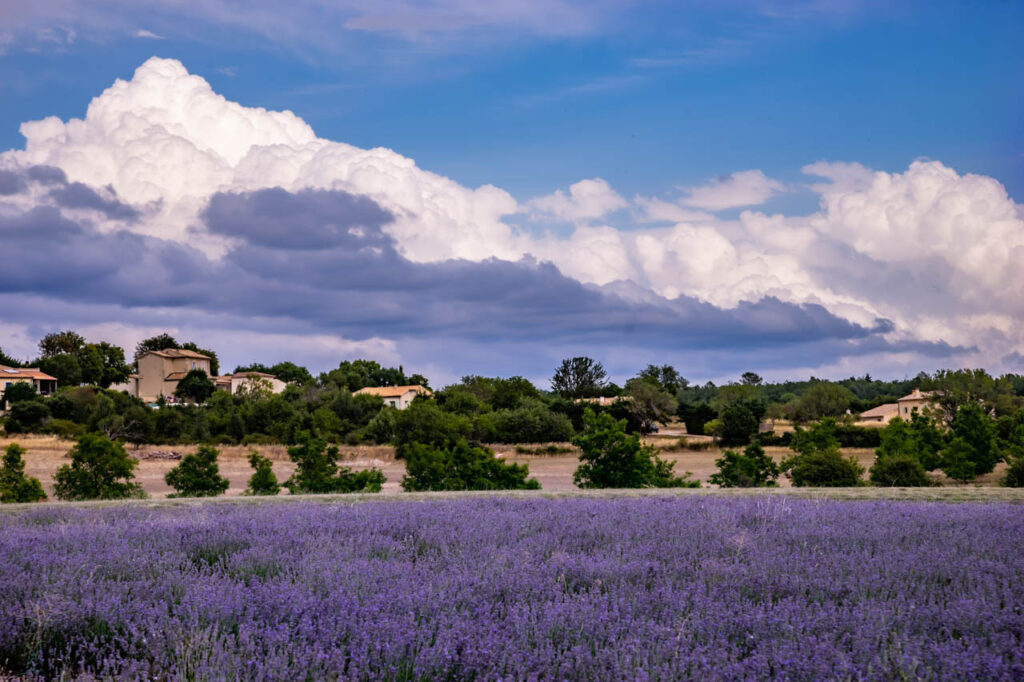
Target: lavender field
column 499, row 588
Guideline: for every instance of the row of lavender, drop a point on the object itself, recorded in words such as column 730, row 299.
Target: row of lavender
column 498, row 588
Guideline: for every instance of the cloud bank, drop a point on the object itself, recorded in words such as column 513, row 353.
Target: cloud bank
column 169, row 202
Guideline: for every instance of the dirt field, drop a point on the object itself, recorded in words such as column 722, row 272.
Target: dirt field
column 46, row 454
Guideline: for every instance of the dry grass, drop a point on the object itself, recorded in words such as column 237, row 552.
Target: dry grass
column 47, row 453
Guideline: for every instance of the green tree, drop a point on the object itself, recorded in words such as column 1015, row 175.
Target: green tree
column 113, row 369
column 159, row 342
column 611, row 458
column 15, row 486
column 649, row 404
column 956, row 388
column 263, row 481
column 317, row 470
column 100, row 469
column 902, row 471
column 972, row 448
column 531, row 422
column 823, row 399
column 197, row 475
column 817, row 460
column 18, row 392
column 64, row 367
column 357, row 374
column 27, row 416
column 579, row 377
column 195, row 386
column 424, row 422
column 214, row 360
column 462, row 466
column 752, row 469
column 751, row 379
column 664, row 377
column 61, row 343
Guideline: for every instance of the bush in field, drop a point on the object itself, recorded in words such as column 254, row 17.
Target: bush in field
column 972, row 448
column 817, row 460
column 100, row 469
column 15, row 486
column 611, row 458
column 901, row 471
column 263, row 481
column 19, row 392
column 738, row 423
column 26, row 416
column 1014, row 477
column 197, row 475
column 318, row 472
column 462, row 466
column 752, row 469
column 531, row 422
column 424, row 422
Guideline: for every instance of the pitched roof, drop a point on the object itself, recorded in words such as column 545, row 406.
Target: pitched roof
column 175, row 376
column 24, row 373
column 918, row 394
column 882, row 410
column 177, row 353
column 393, row 391
column 248, row 375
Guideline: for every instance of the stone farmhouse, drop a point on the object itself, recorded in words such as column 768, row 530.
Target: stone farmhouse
column 41, row 381
column 161, row 370
column 395, row 396
column 902, row 408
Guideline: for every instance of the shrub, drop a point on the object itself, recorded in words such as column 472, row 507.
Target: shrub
column 19, row 392
column 425, row 422
column 26, row 416
column 317, row 470
column 531, row 422
column 752, row 469
column 858, row 436
column 195, row 386
column 738, row 423
column 817, row 461
column 611, row 458
column 1014, row 477
column 15, row 486
column 100, row 469
column 197, row 475
column 902, row 471
column 263, row 481
column 462, row 466
column 972, row 449
column 65, row 428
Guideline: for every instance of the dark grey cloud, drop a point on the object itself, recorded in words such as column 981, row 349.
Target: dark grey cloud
column 46, row 175
column 322, row 262
column 79, row 195
column 11, row 182
column 310, row 219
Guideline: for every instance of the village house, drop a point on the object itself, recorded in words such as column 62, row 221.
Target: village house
column 42, row 382
column 395, row 396
column 161, row 370
column 882, row 414
column 234, row 382
column 903, row 408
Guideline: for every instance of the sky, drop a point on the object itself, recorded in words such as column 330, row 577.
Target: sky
column 810, row 188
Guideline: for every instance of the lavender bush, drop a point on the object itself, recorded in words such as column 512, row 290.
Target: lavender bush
column 497, row 588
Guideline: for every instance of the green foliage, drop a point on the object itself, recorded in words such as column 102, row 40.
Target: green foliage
column 317, row 471
column 61, row 343
column 287, row 372
column 195, row 386
column 649, row 403
column 752, row 469
column 695, row 416
column 972, row 448
column 738, row 423
column 531, row 422
column 159, row 342
column 197, row 475
column 579, row 377
column 357, row 374
column 664, row 377
column 18, row 392
column 611, row 458
column 899, row 470
column 100, row 469
column 823, row 399
column 26, row 416
column 817, row 460
column 461, row 466
column 15, row 486
column 263, row 481
column 1014, row 477
column 63, row 367
column 424, row 422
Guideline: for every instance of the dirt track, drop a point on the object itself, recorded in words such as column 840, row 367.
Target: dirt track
column 46, row 454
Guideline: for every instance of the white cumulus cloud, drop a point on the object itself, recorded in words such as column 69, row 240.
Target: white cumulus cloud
column 744, row 188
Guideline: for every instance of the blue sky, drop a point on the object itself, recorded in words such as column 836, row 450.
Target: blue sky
column 653, row 98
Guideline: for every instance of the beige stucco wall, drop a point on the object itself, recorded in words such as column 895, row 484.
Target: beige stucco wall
column 153, row 368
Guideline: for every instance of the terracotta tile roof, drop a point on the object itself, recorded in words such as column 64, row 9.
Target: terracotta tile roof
column 882, row 410
column 24, row 373
column 918, row 395
column 392, row 391
column 177, row 353
column 175, row 376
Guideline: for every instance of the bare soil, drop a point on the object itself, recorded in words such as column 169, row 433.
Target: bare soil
column 47, row 453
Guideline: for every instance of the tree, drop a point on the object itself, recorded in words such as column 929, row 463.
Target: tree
column 752, row 469
column 263, row 481
column 425, row 422
column 61, row 343
column 214, row 360
column 288, row 372
column 903, row 471
column 195, row 386
column 579, row 377
column 160, row 342
column 751, row 379
column 15, row 486
column 649, row 404
column 18, row 392
column 100, row 469
column 972, row 448
column 317, row 470
column 957, row 388
column 64, row 367
column 738, row 423
column 823, row 399
column 462, row 466
column 357, row 374
column 26, row 416
column 113, row 369
column 8, row 361
column 817, row 461
column 531, row 422
column 665, row 377
column 197, row 475
column 611, row 458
